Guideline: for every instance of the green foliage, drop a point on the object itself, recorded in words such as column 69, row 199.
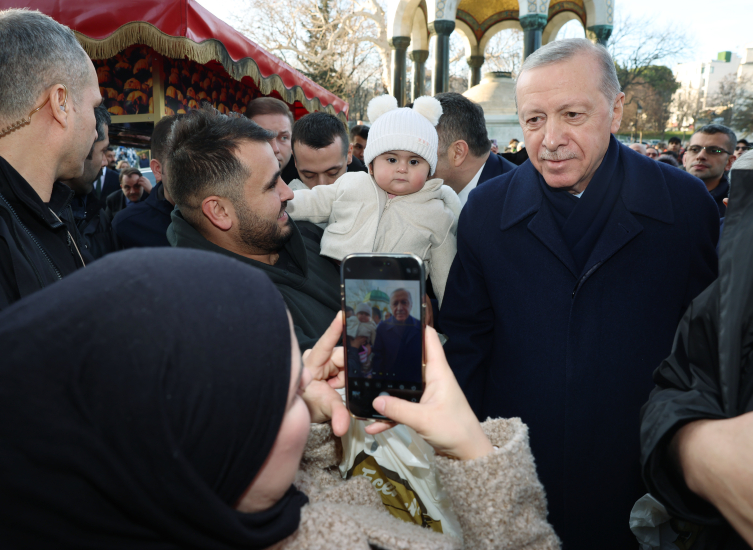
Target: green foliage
column 650, row 88
column 742, row 118
column 662, row 80
column 321, row 67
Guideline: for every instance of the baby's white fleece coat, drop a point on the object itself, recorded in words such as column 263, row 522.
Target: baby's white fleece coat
column 362, row 218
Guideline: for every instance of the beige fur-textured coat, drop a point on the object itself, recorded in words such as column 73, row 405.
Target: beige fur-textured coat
column 361, row 217
column 498, row 499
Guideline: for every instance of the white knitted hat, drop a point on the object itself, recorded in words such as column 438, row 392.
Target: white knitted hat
column 394, row 129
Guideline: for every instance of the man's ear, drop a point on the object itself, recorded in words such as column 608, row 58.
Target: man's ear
column 350, row 153
column 730, row 161
column 457, row 153
column 617, row 109
column 57, row 104
column 156, row 167
column 219, row 212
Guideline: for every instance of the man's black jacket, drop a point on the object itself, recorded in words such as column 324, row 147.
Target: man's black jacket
column 709, row 373
column 116, row 201
column 37, row 241
column 309, row 283
column 719, row 193
column 94, row 225
column 145, row 223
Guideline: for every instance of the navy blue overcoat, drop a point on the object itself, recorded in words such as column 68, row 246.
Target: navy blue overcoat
column 571, row 352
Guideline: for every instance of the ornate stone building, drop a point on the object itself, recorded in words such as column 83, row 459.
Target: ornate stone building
column 413, row 26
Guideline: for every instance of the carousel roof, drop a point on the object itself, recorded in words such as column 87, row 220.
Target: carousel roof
column 177, row 29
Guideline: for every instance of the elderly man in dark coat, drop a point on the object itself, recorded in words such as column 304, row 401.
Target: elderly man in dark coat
column 397, row 347
column 571, row 275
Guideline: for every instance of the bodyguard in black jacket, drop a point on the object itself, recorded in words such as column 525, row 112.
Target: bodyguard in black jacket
column 91, row 221
column 709, row 376
column 43, row 140
column 39, row 243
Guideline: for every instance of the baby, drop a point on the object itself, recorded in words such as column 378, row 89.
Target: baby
column 362, row 318
column 393, row 208
column 360, row 355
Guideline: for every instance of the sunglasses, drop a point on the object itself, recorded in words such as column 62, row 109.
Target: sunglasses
column 742, row 148
column 710, row 149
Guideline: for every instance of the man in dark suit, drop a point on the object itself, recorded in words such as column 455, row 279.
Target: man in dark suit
column 571, row 275
column 88, row 211
column 464, row 157
column 397, row 347
column 106, row 183
column 146, row 223
column 133, row 188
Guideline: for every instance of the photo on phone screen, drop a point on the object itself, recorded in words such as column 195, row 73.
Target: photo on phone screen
column 383, row 336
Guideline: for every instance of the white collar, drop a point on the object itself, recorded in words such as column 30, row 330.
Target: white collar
column 463, row 195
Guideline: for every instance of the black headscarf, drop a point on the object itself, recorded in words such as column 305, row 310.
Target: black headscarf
column 582, row 220
column 139, row 398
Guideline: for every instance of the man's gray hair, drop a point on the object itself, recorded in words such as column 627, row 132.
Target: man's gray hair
column 410, row 296
column 563, row 50
column 36, row 52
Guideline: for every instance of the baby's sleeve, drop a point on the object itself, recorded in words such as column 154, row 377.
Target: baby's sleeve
column 313, row 205
column 441, row 261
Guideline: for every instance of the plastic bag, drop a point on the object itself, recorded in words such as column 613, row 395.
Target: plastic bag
column 401, row 467
column 649, row 522
column 655, row 529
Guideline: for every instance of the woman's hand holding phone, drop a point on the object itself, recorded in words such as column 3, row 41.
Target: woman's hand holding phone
column 443, row 417
column 325, row 363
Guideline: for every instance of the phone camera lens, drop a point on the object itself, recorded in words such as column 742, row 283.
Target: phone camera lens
column 388, row 263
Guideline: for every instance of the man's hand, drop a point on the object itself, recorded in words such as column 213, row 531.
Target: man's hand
column 443, row 417
column 144, row 182
column 716, row 458
column 325, row 362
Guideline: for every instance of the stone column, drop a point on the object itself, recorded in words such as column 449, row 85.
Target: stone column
column 441, row 30
column 533, row 24
column 419, row 58
column 599, row 34
column 399, row 45
column 475, row 62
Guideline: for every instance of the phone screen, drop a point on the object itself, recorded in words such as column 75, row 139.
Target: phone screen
column 384, row 329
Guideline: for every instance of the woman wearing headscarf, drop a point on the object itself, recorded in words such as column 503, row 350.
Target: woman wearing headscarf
column 156, row 400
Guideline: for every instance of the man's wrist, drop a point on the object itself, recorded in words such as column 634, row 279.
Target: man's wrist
column 689, row 449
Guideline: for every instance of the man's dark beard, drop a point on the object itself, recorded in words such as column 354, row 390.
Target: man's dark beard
column 265, row 237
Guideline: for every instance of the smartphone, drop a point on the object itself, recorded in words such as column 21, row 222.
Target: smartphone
column 383, row 329
column 494, row 142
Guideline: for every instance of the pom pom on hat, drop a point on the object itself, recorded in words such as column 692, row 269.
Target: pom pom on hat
column 380, row 105
column 429, row 107
column 395, row 129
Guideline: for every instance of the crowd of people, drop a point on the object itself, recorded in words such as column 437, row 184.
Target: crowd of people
column 597, row 329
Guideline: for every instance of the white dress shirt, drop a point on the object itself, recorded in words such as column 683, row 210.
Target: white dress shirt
column 463, row 195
